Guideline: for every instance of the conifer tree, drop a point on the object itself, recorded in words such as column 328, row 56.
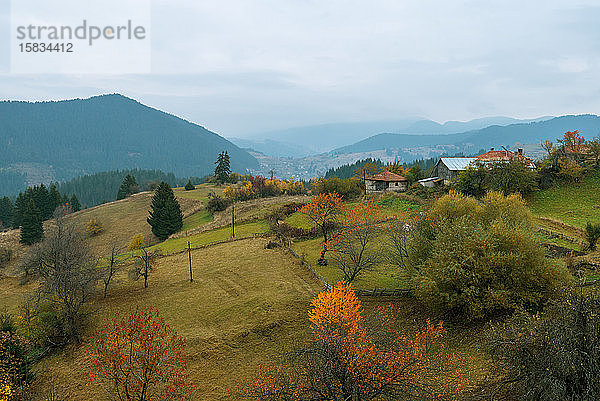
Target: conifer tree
column 75, row 205
column 223, row 168
column 189, row 186
column 19, row 210
column 128, row 187
column 6, row 212
column 165, row 217
column 54, row 197
column 32, row 230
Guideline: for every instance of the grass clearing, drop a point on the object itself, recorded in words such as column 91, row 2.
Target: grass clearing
column 207, row 237
column 574, row 204
column 246, row 306
column 384, row 276
column 197, row 219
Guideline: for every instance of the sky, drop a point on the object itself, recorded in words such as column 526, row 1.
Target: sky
column 239, row 67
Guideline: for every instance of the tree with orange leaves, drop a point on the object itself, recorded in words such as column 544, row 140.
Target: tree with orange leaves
column 323, row 210
column 572, row 142
column 347, row 360
column 354, row 245
column 140, row 358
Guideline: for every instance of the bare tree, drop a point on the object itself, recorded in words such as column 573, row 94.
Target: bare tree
column 397, row 245
column 144, row 265
column 112, row 266
column 354, row 247
column 67, row 272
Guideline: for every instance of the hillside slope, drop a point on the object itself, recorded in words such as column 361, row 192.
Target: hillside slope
column 495, row 135
column 108, row 132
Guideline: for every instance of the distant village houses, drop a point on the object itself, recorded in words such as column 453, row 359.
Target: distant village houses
column 447, row 168
column 385, row 181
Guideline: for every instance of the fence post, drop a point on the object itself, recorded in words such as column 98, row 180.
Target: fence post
column 190, row 257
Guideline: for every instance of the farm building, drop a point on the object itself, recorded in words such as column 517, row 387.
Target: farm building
column 449, row 167
column 431, row 182
column 504, row 155
column 385, row 181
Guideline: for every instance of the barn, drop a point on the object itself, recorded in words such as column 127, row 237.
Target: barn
column 385, row 181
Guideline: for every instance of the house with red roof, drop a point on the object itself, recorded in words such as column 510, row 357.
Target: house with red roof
column 385, row 181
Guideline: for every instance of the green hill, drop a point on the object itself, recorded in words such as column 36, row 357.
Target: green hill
column 84, row 136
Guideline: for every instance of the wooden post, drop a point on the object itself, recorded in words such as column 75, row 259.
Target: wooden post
column 190, row 256
column 232, row 221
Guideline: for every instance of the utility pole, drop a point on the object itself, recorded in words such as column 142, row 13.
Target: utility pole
column 190, row 256
column 232, row 221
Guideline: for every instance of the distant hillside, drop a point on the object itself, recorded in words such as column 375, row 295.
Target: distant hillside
column 326, row 137
column 97, row 188
column 273, row 148
column 75, row 137
column 495, row 135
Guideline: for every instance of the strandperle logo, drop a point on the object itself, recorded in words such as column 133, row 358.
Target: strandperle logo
column 85, row 31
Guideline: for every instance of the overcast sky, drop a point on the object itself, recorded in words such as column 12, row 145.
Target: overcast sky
column 241, row 66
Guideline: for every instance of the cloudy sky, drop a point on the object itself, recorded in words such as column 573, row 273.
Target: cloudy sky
column 243, row 66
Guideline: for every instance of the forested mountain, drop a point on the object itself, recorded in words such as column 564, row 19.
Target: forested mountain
column 97, row 188
column 495, row 135
column 109, row 132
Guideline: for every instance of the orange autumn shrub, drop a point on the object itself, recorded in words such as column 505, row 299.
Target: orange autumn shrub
column 323, row 210
column 347, row 359
column 140, row 358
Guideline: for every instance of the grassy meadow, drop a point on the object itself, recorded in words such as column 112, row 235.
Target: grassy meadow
column 574, row 204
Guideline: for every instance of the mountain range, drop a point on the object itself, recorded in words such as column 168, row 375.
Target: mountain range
column 65, row 139
column 532, row 132
column 314, row 139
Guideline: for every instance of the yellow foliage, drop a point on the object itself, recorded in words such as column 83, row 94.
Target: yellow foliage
column 94, row 227
column 6, row 391
column 137, row 242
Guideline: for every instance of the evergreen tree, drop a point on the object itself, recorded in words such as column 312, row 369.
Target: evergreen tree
column 75, row 205
column 223, row 168
column 32, row 230
column 128, row 187
column 165, row 217
column 6, row 212
column 54, row 198
column 19, row 210
column 189, row 186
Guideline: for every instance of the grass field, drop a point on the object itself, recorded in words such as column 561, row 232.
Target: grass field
column 574, row 204
column 246, row 306
column 221, row 234
column 384, row 276
column 197, row 219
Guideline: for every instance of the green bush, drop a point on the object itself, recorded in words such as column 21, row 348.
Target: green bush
column 217, row 203
column 592, row 235
column 349, row 189
column 5, row 256
column 475, row 260
column 553, row 356
column 189, row 186
column 506, row 177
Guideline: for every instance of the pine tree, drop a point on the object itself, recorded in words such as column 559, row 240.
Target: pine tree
column 128, row 187
column 6, row 212
column 54, row 198
column 75, row 205
column 165, row 217
column 189, row 186
column 223, row 168
column 32, row 230
column 19, row 210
